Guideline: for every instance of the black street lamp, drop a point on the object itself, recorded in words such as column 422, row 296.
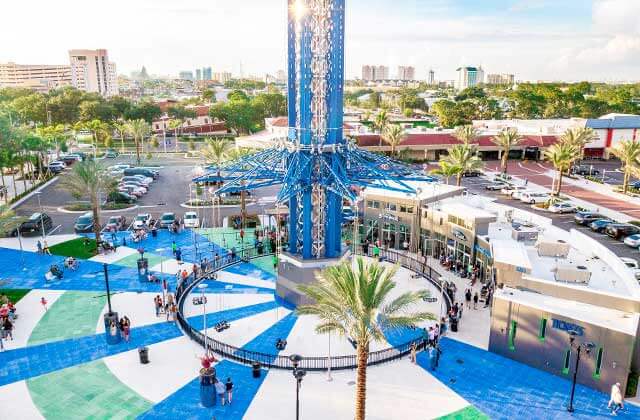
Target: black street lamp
column 587, row 347
column 106, row 281
column 298, row 374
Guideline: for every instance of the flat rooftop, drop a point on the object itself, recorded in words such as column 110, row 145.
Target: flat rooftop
column 427, row 191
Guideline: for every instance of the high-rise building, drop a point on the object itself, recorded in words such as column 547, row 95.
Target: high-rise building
column 281, row 76
column 500, row 79
column 91, row 71
column 367, row 73
column 40, row 77
column 207, row 73
column 431, row 78
column 406, row 73
column 373, row 73
column 186, row 75
column 222, row 76
column 469, row 77
column 198, row 74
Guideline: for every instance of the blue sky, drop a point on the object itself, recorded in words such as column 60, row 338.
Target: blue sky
column 535, row 39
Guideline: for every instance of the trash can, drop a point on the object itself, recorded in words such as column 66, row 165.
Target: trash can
column 143, row 352
column 256, row 369
column 111, row 328
column 207, row 387
column 143, row 269
column 454, row 324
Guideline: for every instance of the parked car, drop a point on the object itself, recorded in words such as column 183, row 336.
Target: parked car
column 167, row 219
column 584, row 170
column 111, row 154
column 116, row 223
column 142, row 220
column 84, row 223
column 121, row 197
column 135, row 185
column 517, row 192
column 56, row 167
column 144, row 178
column 140, row 180
column 508, row 189
column 472, row 174
column 562, row 207
column 131, row 190
column 141, row 171
column 585, row 218
column 632, row 241
column 34, row 224
column 534, row 197
column 621, row 230
column 71, row 158
column 495, row 186
column 120, row 167
column 635, row 185
column 600, row 225
column 191, row 219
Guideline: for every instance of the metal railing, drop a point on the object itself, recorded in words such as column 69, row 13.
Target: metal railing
column 315, row 363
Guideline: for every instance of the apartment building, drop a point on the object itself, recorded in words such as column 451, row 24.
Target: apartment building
column 92, row 71
column 39, row 77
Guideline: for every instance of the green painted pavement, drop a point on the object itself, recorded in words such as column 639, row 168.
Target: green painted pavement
column 74, row 314
column 467, row 413
column 227, row 237
column 85, row 391
column 132, row 260
column 264, row 263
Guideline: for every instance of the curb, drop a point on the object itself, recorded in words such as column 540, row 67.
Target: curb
column 28, row 196
column 63, row 210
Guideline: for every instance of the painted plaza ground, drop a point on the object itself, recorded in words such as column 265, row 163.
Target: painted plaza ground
column 59, row 365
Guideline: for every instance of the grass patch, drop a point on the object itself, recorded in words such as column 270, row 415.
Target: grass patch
column 14, row 295
column 84, row 206
column 75, row 248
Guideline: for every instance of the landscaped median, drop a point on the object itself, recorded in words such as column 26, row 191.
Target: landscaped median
column 83, row 206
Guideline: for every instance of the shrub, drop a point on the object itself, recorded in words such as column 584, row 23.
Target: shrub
column 594, row 179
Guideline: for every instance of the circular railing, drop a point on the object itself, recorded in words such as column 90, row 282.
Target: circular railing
column 308, row 363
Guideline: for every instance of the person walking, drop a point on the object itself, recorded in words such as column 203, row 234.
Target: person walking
column 39, row 246
column 126, row 328
column 178, row 254
column 8, row 329
column 229, row 387
column 413, row 353
column 220, row 390
column 45, row 248
column 174, row 247
column 467, row 298
column 615, row 402
column 43, row 302
column 432, row 336
column 157, row 301
column 376, row 252
column 475, row 300
column 274, row 259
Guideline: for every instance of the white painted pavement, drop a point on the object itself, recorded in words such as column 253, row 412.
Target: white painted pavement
column 138, row 307
column 31, row 243
column 113, row 257
column 252, row 326
column 223, row 301
column 233, row 278
column 16, row 403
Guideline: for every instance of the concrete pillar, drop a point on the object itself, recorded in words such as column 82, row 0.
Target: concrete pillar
column 207, row 387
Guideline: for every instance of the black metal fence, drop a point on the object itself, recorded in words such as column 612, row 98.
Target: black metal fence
column 308, row 363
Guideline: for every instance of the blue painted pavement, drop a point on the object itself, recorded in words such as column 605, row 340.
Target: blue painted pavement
column 400, row 336
column 250, row 270
column 266, row 341
column 28, row 362
column 506, row 389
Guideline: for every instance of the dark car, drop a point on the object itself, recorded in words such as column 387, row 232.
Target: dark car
column 635, row 185
column 470, row 174
column 34, row 223
column 121, row 197
column 585, row 218
column 585, row 170
column 621, row 230
column 167, row 219
column 600, row 225
column 141, row 171
column 84, row 223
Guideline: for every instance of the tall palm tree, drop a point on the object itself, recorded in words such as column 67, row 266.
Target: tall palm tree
column 138, row 129
column 561, row 155
column 90, row 178
column 628, row 152
column 380, row 122
column 233, row 155
column 353, row 300
column 215, row 151
column 175, row 125
column 467, row 134
column 121, row 129
column 506, row 140
column 464, row 158
column 446, row 170
column 394, row 135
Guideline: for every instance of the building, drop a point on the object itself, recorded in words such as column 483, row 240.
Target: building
column 222, row 77
column 207, row 73
column 281, row 77
column 375, row 73
column 40, row 77
column 186, row 75
column 91, row 71
column 431, row 77
column 469, row 77
column 406, row 73
column 500, row 79
column 198, row 74
column 610, row 130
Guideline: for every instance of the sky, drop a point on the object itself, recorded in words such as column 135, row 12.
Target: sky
column 533, row 39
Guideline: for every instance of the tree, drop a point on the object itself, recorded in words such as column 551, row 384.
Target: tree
column 380, row 121
column 271, row 104
column 138, row 129
column 239, row 115
column 89, row 178
column 628, row 152
column 446, row 169
column 561, row 155
column 237, row 95
column 121, row 129
column 215, row 151
column 175, row 125
column 180, row 112
column 394, row 135
column 506, row 140
column 31, row 108
column 208, row 95
column 467, row 134
column 579, row 137
column 354, row 301
column 144, row 110
column 464, row 158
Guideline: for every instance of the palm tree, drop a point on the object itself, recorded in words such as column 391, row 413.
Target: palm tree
column 138, row 129
column 121, row 129
column 561, row 155
column 467, row 134
column 175, row 126
column 464, row 158
column 353, row 300
column 380, row 122
column 233, row 155
column 506, row 140
column 579, row 137
column 628, row 152
column 446, row 170
column 394, row 135
column 215, row 151
column 89, row 178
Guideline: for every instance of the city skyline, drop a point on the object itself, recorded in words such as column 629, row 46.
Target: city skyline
column 534, row 39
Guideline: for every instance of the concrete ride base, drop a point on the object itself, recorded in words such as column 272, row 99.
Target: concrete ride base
column 293, row 271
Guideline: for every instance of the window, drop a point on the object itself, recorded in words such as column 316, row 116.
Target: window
column 567, row 360
column 390, row 207
column 512, row 335
column 373, row 204
column 599, row 354
column 543, row 329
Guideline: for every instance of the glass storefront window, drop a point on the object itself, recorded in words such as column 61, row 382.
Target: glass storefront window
column 404, row 237
column 390, row 207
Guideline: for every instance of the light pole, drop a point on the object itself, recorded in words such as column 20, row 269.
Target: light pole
column 298, row 374
column 587, row 347
column 202, row 287
column 37, row 193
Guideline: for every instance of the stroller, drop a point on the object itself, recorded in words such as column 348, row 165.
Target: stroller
column 54, row 273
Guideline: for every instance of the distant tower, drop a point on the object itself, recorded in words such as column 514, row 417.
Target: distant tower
column 431, row 79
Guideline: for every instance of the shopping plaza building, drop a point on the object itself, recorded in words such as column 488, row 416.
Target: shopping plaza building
column 550, row 284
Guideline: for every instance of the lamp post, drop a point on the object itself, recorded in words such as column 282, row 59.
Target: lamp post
column 587, row 347
column 202, row 287
column 37, row 193
column 298, row 374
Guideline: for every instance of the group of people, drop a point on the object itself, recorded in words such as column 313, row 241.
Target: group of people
column 459, row 268
column 123, row 327
column 43, row 247
column 167, row 306
column 430, row 344
column 8, row 317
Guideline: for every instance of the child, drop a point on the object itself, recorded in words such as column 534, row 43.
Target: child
column 43, row 302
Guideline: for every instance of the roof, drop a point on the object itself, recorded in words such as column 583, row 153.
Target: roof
column 619, row 121
column 466, row 211
column 510, row 252
column 447, row 139
column 428, row 190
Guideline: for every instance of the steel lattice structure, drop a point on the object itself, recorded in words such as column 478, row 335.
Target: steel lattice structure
column 315, row 165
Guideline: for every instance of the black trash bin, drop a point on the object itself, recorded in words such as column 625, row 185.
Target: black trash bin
column 143, row 352
column 256, row 369
column 454, row 325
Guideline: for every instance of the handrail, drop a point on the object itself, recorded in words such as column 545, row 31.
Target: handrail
column 315, row 363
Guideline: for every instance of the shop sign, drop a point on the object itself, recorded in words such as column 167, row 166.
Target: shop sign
column 389, row 216
column 521, row 269
column 459, row 235
column 567, row 326
column 483, row 251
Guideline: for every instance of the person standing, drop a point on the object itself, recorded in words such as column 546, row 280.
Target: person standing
column 220, row 390
column 8, row 329
column 39, row 246
column 45, row 248
column 467, row 298
column 413, row 353
column 126, row 328
column 274, row 259
column 158, row 304
column 432, row 336
column 43, row 302
column 615, row 402
column 475, row 301
column 376, row 252
column 229, row 387
column 174, row 247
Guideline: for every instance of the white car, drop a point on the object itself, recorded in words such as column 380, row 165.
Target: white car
column 118, row 167
column 509, row 189
column 191, row 219
column 562, row 207
column 517, row 192
column 142, row 220
column 632, row 240
column 135, row 186
column 532, row 197
column 633, row 265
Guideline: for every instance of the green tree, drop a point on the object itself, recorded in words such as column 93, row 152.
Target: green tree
column 238, row 115
column 506, row 140
column 354, row 301
column 180, row 112
column 464, row 158
column 271, row 104
column 628, row 152
column 394, row 135
column 208, row 95
column 31, row 108
column 561, row 155
column 144, row 110
column 474, row 92
column 121, row 130
column 467, row 134
column 215, row 151
column 446, row 170
column 138, row 129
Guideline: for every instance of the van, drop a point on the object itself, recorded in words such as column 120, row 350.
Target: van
column 534, row 197
column 141, row 171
